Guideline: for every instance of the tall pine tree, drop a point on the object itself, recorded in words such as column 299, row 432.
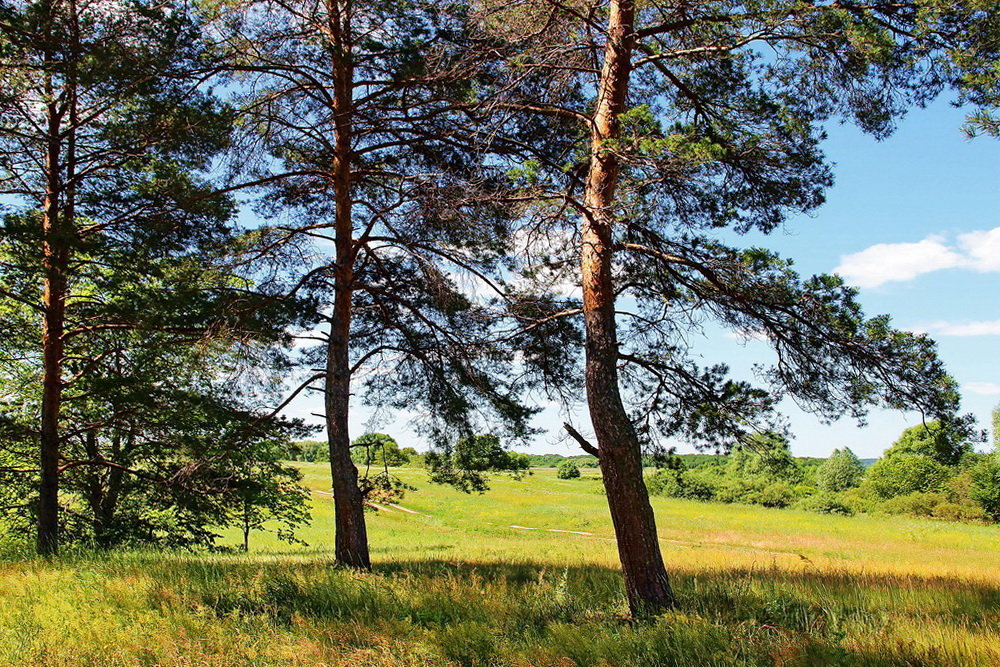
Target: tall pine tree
column 660, row 124
column 104, row 127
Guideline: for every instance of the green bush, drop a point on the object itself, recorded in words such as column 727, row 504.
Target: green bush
column 953, row 511
column 677, row 483
column 918, row 503
column 740, row 490
column 776, row 494
column 567, row 470
column 824, row 503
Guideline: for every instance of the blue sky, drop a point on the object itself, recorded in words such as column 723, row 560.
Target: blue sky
column 914, row 221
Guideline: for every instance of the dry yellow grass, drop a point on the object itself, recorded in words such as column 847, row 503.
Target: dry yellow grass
column 457, row 584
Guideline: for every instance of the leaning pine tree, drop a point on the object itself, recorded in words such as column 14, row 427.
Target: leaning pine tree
column 659, row 125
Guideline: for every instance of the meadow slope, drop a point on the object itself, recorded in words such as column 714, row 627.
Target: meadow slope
column 525, row 574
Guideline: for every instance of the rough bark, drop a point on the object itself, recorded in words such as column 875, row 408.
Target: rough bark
column 646, row 582
column 58, row 214
column 351, row 532
column 55, row 258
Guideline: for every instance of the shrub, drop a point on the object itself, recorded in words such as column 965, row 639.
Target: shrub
column 825, row 503
column 918, row 503
column 842, row 471
column 958, row 511
column 677, row 483
column 567, row 470
column 776, row 494
column 904, row 473
column 738, row 490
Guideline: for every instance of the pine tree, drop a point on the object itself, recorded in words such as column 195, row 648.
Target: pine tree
column 660, row 123
column 357, row 129
column 104, row 127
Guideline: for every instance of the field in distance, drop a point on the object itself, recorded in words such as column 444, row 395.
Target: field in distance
column 526, row 574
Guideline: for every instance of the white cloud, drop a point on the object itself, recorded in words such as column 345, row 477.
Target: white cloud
column 985, row 388
column 894, row 262
column 890, row 262
column 989, row 328
column 982, row 249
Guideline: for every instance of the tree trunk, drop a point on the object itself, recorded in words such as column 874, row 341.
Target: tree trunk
column 349, row 509
column 646, row 581
column 57, row 227
column 55, row 260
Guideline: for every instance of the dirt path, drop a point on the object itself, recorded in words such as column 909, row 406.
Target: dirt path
column 388, row 507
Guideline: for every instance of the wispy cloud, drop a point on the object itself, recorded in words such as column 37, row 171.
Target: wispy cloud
column 984, row 388
column 897, row 262
column 988, row 328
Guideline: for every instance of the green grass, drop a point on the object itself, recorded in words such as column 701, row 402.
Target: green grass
column 457, row 584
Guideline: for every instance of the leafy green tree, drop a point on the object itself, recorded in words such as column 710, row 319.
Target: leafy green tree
column 466, row 464
column 767, row 455
column 942, row 443
column 379, row 450
column 660, row 122
column 842, row 471
column 567, row 470
column 267, row 493
column 985, row 487
column 104, row 128
column 149, row 462
column 904, row 473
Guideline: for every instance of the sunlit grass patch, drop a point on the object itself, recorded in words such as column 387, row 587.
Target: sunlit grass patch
column 458, row 585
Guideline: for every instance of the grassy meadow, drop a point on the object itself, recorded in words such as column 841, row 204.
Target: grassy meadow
column 525, row 574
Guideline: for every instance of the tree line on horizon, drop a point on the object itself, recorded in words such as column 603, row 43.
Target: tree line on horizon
column 420, row 190
column 924, row 473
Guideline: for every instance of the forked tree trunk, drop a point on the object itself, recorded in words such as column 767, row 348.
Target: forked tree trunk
column 646, row 582
column 349, row 510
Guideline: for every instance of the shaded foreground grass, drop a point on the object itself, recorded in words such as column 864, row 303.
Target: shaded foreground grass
column 461, row 586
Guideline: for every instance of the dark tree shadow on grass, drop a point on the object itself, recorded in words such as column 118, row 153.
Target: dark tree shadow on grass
column 538, row 613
